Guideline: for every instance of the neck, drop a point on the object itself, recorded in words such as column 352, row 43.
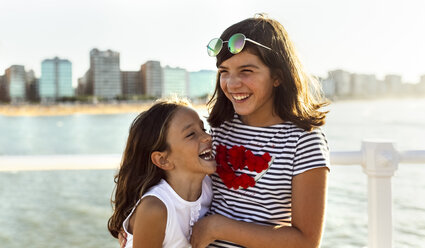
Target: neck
column 188, row 188
column 272, row 119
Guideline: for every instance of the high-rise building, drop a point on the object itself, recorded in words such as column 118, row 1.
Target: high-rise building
column 56, row 79
column 104, row 79
column 364, row 85
column 4, row 91
column 328, row 87
column 342, row 81
column 82, row 87
column 32, row 87
column 131, row 83
column 421, row 85
column 201, row 83
column 174, row 81
column 151, row 73
column 422, row 80
column 15, row 79
column 393, row 84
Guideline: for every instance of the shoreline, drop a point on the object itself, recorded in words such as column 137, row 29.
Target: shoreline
column 71, row 109
column 62, row 109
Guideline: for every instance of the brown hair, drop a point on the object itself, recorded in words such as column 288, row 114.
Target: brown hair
column 298, row 97
column 137, row 173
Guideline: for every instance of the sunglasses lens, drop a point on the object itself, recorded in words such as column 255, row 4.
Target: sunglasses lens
column 214, row 47
column 236, row 43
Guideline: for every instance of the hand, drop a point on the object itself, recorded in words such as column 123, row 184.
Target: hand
column 203, row 231
column 122, row 238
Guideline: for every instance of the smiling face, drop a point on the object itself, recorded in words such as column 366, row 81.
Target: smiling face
column 247, row 83
column 190, row 146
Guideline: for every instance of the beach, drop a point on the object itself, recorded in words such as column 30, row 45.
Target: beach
column 70, row 109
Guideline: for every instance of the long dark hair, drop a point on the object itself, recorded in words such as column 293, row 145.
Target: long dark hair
column 297, row 98
column 137, row 173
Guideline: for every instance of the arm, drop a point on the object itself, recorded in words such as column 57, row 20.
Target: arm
column 149, row 223
column 308, row 211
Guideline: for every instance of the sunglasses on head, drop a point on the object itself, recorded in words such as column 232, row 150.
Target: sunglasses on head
column 235, row 44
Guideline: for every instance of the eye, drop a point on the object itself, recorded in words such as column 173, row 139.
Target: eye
column 223, row 73
column 190, row 134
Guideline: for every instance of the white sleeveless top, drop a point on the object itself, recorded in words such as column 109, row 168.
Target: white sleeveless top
column 181, row 214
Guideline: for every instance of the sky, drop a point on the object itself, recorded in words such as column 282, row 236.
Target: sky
column 361, row 36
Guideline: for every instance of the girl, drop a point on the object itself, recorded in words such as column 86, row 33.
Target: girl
column 264, row 104
column 162, row 188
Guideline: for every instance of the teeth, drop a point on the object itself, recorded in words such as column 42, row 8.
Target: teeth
column 206, row 151
column 207, row 154
column 209, row 157
column 240, row 97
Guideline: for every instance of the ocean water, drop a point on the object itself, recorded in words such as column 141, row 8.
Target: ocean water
column 71, row 208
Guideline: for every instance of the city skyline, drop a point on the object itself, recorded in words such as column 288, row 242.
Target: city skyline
column 105, row 80
column 370, row 37
column 320, row 77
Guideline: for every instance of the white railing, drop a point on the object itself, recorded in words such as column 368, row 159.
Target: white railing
column 379, row 160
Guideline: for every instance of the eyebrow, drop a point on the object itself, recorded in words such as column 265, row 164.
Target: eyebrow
column 187, row 127
column 240, row 67
column 192, row 124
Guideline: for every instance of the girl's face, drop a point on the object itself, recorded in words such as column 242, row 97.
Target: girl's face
column 190, row 145
column 247, row 83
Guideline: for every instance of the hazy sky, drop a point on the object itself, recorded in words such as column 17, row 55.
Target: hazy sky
column 362, row 36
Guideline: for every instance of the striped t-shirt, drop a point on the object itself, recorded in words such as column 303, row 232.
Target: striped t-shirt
column 293, row 151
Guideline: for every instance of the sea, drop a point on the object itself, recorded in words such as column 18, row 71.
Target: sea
column 71, row 208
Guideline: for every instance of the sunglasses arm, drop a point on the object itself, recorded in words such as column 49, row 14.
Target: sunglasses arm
column 256, row 43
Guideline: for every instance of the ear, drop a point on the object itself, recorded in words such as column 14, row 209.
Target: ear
column 160, row 159
column 276, row 82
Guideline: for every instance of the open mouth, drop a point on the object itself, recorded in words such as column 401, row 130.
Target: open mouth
column 240, row 97
column 207, row 154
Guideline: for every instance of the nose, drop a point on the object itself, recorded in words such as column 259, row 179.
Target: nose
column 233, row 82
column 206, row 137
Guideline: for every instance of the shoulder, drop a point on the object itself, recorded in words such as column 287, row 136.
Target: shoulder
column 151, row 210
column 152, row 205
column 150, row 222
column 313, row 135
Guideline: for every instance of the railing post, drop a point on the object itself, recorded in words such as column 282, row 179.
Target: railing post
column 380, row 161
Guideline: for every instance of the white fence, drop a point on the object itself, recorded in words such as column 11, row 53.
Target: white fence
column 379, row 160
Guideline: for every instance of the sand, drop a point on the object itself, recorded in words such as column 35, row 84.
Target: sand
column 69, row 109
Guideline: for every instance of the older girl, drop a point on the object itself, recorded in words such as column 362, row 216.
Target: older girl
column 264, row 104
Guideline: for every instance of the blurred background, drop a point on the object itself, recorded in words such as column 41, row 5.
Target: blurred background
column 73, row 76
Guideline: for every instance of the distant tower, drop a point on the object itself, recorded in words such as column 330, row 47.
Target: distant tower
column 32, row 87
column 421, row 85
column 364, row 85
column 4, row 91
column 131, row 84
column 174, row 81
column 328, row 87
column 82, row 88
column 151, row 74
column 201, row 83
column 422, row 80
column 56, row 79
column 15, row 80
column 393, row 84
column 104, row 79
column 342, row 81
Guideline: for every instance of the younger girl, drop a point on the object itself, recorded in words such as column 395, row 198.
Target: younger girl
column 162, row 188
column 264, row 104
